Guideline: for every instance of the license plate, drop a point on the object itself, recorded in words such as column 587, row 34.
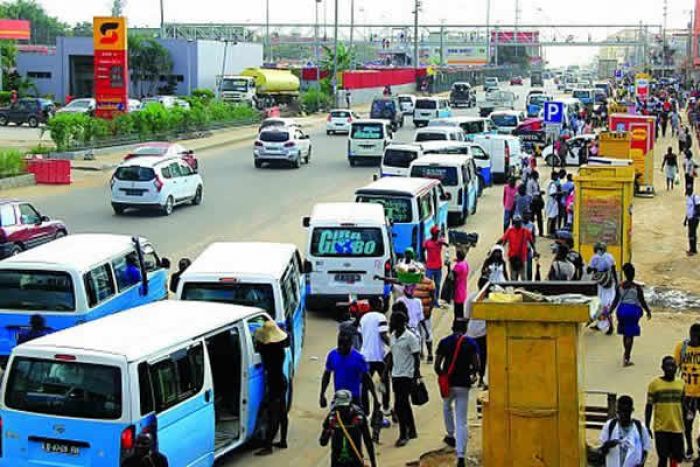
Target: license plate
column 61, row 448
column 348, row 278
column 130, row 192
column 339, row 124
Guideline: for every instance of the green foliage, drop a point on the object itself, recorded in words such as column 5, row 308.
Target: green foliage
column 11, row 163
column 205, row 95
column 315, row 100
column 40, row 149
column 5, row 97
column 67, row 129
column 148, row 61
column 44, row 28
column 346, row 57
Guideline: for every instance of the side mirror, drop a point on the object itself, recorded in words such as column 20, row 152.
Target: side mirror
column 44, row 219
column 446, row 197
column 308, row 267
column 165, row 263
column 306, row 221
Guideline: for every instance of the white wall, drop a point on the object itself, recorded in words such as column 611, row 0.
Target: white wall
column 210, row 55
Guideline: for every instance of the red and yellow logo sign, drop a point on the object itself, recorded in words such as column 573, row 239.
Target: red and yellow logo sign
column 639, row 134
column 109, row 33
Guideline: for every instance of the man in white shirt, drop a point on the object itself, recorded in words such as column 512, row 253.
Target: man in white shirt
column 626, row 441
column 375, row 338
column 414, row 308
column 692, row 206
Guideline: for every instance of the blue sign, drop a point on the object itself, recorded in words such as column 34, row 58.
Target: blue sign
column 553, row 113
column 619, row 74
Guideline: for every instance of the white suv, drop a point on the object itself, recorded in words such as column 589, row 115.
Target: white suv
column 288, row 145
column 156, row 183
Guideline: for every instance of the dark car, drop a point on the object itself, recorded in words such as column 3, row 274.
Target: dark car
column 387, row 108
column 23, row 227
column 462, row 94
column 29, row 110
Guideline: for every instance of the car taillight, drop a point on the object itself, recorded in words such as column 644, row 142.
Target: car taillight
column 128, row 156
column 387, row 267
column 158, row 183
column 127, row 439
column 3, row 236
column 112, row 181
column 349, row 119
column 289, row 144
column 329, row 118
column 258, row 143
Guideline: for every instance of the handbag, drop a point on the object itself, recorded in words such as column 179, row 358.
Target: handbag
column 448, row 287
column 419, row 393
column 444, row 378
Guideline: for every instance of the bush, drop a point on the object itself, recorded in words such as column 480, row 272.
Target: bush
column 314, row 100
column 11, row 163
column 5, row 97
column 68, row 129
column 205, row 95
column 40, row 149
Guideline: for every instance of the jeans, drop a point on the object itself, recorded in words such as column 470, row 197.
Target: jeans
column 693, row 235
column 507, row 215
column 436, row 276
column 402, row 406
column 454, row 411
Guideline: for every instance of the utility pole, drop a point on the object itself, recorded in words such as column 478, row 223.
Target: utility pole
column 488, row 32
column 162, row 20
column 267, row 31
column 352, row 30
column 317, row 48
column 689, row 50
column 517, row 21
column 417, row 6
column 442, row 43
column 335, row 55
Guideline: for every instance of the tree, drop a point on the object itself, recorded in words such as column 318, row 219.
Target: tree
column 148, row 62
column 44, row 28
column 83, row 29
column 118, row 7
column 345, row 58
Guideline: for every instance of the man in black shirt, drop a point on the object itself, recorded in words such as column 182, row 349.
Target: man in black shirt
column 144, row 455
column 347, row 430
column 458, row 358
column 271, row 342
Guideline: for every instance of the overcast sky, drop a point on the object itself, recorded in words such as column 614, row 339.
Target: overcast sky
column 147, row 12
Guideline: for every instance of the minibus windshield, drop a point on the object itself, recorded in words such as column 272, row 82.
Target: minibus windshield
column 399, row 158
column 347, row 242
column 368, row 131
column 36, row 290
column 396, row 209
column 446, row 175
column 70, row 389
column 236, row 293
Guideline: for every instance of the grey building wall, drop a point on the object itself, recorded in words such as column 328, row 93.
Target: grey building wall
column 41, row 68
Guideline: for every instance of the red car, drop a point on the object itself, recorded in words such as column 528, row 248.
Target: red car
column 516, row 80
column 164, row 149
column 23, row 227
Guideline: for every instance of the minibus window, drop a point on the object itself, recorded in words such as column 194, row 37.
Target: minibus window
column 36, row 290
column 236, row 293
column 396, row 209
column 430, row 136
column 124, row 280
column 426, row 104
column 70, row 389
column 165, row 384
column 178, row 378
column 446, row 175
column 145, row 389
column 399, row 158
column 328, row 242
column 290, row 297
column 425, row 207
column 471, row 128
column 99, row 285
column 150, row 261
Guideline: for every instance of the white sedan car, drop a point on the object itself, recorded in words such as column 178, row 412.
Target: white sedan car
column 286, row 145
column 573, row 155
column 339, row 121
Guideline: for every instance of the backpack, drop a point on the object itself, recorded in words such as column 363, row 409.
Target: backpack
column 696, row 208
column 637, row 423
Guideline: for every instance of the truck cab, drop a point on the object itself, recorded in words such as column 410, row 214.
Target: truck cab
column 237, row 89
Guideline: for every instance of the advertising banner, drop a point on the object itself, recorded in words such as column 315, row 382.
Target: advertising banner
column 462, row 55
column 15, row 29
column 111, row 66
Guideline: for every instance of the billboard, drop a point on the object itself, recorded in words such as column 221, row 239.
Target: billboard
column 462, row 55
column 521, row 37
column 17, row 29
column 110, row 67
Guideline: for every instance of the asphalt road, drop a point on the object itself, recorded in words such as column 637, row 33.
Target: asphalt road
column 242, row 203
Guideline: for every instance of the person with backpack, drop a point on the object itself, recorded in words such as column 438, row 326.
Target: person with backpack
column 626, row 442
column 665, row 403
column 456, row 365
column 687, row 356
column 603, row 270
column 347, row 431
column 692, row 219
column 630, row 305
column 561, row 269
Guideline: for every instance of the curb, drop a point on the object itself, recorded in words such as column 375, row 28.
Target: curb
column 18, row 181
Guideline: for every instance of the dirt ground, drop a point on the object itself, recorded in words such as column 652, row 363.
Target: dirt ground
column 659, row 245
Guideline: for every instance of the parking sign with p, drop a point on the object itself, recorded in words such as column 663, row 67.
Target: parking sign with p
column 553, row 113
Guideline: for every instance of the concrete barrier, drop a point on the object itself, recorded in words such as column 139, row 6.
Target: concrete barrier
column 17, row 181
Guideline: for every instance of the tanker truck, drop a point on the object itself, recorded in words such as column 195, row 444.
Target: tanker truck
column 260, row 87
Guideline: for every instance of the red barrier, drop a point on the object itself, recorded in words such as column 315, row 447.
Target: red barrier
column 50, row 171
column 378, row 78
column 309, row 74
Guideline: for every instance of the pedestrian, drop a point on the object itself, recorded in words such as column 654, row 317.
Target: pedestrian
column 403, row 365
column 687, row 356
column 537, row 205
column 476, row 329
column 625, row 440
column 519, row 240
column 271, row 343
column 131, row 275
column 675, row 122
column 347, row 431
column 348, row 99
column 182, row 266
column 690, row 170
column 681, row 139
column 688, row 145
column 523, row 202
column 561, row 269
column 434, row 258
column 460, row 270
column 630, row 305
column 664, row 123
column 552, row 206
column 528, row 225
column 414, row 308
column 563, row 150
column 670, row 167
column 37, row 328
column 566, row 184
column 349, row 370
column 424, row 292
column 603, row 270
column 494, row 268
column 374, row 329
column 665, row 403
column 573, row 256
column 458, row 362
column 145, row 454
column 692, row 218
column 509, row 192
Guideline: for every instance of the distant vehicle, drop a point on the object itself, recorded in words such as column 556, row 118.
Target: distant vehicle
column 398, row 157
column 166, row 101
column 389, row 109
column 574, row 151
column 605, row 87
column 438, row 133
column 462, row 95
column 285, row 145
column 428, row 108
column 29, row 110
column 165, row 150
column 407, row 103
column 536, row 78
column 585, row 95
column 275, row 122
column 506, row 121
column 531, row 133
column 260, row 87
column 339, row 121
column 79, row 106
column 367, row 140
column 490, row 84
column 22, row 227
column 134, row 105
column 535, row 103
column 504, row 152
column 516, row 81
column 470, row 126
column 497, row 100
column 155, row 183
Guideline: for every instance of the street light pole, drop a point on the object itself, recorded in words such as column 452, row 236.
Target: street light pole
column 162, row 20
column 415, row 33
column 317, row 51
column 335, row 55
column 488, row 32
column 352, row 30
column 267, row 31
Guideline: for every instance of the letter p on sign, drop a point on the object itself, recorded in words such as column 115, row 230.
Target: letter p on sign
column 553, row 113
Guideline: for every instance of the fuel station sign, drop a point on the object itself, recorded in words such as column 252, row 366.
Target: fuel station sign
column 111, row 66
